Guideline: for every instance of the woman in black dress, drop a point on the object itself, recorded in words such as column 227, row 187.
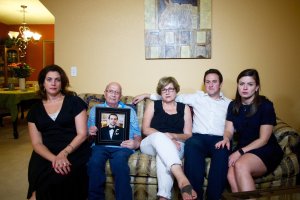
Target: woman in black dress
column 58, row 131
column 252, row 117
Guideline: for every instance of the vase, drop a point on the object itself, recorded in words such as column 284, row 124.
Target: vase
column 22, row 84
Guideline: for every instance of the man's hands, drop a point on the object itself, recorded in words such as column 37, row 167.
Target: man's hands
column 132, row 144
column 234, row 156
column 93, row 130
column 224, row 143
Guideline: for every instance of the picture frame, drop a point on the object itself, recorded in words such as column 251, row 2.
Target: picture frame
column 178, row 29
column 113, row 125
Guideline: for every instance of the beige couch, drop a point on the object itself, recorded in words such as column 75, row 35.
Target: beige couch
column 143, row 167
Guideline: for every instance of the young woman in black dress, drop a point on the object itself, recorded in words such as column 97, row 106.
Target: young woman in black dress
column 58, row 131
column 252, row 117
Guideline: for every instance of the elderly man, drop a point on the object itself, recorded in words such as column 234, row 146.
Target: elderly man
column 118, row 155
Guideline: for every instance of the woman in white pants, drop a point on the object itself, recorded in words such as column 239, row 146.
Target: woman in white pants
column 167, row 124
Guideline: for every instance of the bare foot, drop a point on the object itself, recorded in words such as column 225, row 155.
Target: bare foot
column 186, row 189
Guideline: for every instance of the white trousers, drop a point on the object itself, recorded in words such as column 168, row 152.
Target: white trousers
column 159, row 145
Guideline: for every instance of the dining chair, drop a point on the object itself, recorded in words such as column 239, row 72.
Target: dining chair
column 3, row 113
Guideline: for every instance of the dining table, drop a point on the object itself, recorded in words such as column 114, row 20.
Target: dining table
column 11, row 101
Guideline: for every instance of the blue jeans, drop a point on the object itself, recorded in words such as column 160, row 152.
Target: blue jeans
column 196, row 149
column 118, row 158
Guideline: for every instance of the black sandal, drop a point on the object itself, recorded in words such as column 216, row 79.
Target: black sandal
column 187, row 189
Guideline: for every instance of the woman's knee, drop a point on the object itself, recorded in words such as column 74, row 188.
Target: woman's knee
column 158, row 136
column 241, row 167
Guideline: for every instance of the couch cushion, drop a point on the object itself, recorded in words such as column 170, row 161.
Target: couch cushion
column 140, row 164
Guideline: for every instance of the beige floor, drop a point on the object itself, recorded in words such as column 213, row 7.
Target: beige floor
column 14, row 157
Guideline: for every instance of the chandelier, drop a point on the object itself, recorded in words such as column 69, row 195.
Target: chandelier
column 25, row 35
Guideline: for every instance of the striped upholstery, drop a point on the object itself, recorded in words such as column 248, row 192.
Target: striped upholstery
column 143, row 167
column 285, row 173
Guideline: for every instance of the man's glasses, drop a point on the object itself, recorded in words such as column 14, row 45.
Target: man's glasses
column 165, row 90
column 113, row 92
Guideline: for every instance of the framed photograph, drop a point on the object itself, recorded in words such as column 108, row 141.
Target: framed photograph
column 113, row 125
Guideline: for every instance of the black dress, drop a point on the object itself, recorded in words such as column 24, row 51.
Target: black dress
column 164, row 122
column 56, row 136
column 247, row 130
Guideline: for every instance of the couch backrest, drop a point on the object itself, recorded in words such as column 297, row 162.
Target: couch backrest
column 288, row 138
column 92, row 99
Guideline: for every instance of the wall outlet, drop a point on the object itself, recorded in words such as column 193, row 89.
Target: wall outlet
column 73, row 71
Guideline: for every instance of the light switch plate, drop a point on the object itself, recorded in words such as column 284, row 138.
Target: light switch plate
column 73, row 71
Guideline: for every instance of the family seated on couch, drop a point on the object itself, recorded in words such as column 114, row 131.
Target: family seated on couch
column 167, row 125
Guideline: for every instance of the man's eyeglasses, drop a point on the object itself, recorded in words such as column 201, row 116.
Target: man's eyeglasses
column 113, row 92
column 165, row 90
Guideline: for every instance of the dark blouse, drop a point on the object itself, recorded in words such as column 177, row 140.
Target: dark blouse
column 248, row 128
column 165, row 122
column 59, row 133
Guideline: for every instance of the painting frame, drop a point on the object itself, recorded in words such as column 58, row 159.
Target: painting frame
column 178, row 29
column 113, row 125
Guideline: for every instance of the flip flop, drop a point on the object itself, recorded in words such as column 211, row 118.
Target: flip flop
column 187, row 189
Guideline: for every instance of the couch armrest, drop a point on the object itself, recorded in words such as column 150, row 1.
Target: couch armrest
column 287, row 137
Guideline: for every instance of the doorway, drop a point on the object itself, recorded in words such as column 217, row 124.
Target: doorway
column 48, row 52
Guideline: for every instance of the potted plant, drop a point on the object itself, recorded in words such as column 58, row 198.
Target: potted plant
column 21, row 71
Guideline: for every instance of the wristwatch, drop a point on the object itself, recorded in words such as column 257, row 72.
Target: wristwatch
column 241, row 151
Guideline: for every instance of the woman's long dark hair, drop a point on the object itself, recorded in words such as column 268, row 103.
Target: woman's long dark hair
column 257, row 98
column 64, row 80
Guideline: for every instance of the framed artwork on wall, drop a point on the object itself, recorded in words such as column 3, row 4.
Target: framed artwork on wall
column 113, row 125
column 177, row 29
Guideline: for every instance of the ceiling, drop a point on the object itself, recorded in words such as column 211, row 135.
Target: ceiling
column 36, row 12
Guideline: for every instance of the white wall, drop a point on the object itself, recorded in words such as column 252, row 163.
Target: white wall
column 105, row 40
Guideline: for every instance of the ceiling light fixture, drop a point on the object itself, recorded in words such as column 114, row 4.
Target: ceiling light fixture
column 25, row 35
